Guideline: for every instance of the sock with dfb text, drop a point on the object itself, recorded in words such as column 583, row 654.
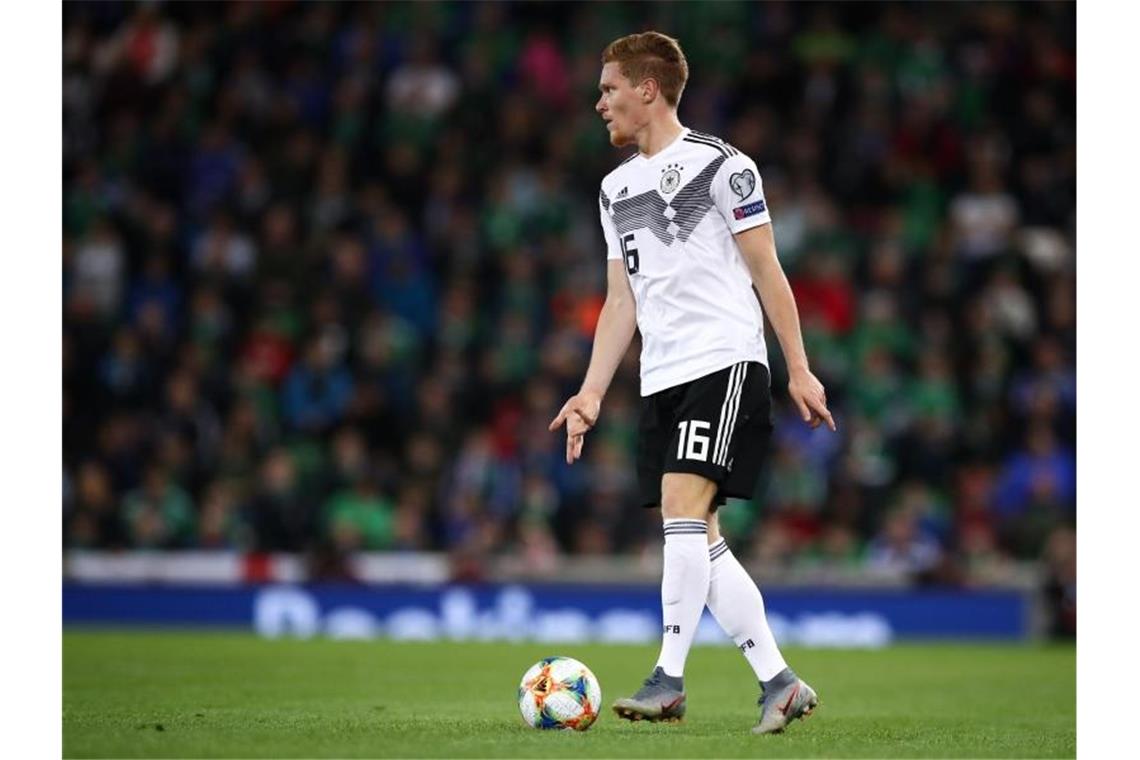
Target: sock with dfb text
column 738, row 607
column 684, row 588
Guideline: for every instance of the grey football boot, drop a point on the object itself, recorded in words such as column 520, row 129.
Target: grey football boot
column 785, row 699
column 660, row 699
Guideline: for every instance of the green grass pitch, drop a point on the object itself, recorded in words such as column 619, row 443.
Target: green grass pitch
column 159, row 694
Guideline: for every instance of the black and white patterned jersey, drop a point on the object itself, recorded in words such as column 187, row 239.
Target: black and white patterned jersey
column 672, row 218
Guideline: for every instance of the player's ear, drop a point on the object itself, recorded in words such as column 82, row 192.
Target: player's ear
column 649, row 89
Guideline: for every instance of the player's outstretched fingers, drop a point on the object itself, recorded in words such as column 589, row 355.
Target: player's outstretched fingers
column 573, row 448
column 822, row 414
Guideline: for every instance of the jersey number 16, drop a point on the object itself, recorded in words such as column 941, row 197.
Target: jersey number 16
column 691, row 444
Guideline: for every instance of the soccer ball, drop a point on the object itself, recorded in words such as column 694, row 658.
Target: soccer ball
column 559, row 692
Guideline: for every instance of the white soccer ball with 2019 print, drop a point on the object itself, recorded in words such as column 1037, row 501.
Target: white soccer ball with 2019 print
column 559, row 692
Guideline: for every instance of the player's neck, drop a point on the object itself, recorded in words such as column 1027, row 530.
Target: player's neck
column 658, row 135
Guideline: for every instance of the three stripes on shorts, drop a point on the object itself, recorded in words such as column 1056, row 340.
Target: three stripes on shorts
column 728, row 412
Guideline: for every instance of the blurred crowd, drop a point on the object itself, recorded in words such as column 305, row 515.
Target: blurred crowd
column 329, row 270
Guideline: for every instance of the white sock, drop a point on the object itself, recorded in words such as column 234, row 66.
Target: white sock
column 684, row 588
column 736, row 603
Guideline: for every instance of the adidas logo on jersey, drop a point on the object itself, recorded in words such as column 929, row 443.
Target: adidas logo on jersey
column 622, row 193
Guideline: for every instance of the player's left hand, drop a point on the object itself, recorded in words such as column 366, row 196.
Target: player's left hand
column 809, row 397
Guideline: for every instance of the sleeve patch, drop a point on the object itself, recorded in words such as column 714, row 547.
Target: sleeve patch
column 751, row 209
column 743, row 183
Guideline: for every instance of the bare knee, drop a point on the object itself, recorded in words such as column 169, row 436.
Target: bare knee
column 687, row 496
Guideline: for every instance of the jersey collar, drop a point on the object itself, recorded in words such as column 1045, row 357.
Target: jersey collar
column 676, row 141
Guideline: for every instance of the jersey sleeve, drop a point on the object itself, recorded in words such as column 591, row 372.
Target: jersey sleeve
column 739, row 195
column 613, row 247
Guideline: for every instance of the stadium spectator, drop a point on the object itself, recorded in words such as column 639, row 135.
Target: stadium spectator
column 904, row 545
column 316, row 393
column 159, row 514
column 283, row 517
column 1035, row 491
column 94, row 520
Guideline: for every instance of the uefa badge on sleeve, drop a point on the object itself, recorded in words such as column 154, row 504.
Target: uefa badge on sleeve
column 743, row 183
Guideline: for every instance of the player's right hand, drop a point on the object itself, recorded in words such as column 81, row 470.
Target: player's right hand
column 579, row 413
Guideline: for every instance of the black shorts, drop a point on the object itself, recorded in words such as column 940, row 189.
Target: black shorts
column 717, row 426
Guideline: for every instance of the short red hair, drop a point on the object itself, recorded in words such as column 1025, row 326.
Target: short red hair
column 651, row 55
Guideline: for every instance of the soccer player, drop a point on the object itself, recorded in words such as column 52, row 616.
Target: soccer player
column 689, row 236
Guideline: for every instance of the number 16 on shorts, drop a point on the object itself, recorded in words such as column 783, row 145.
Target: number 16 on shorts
column 691, row 444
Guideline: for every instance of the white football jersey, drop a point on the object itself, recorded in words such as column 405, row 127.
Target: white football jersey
column 672, row 218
